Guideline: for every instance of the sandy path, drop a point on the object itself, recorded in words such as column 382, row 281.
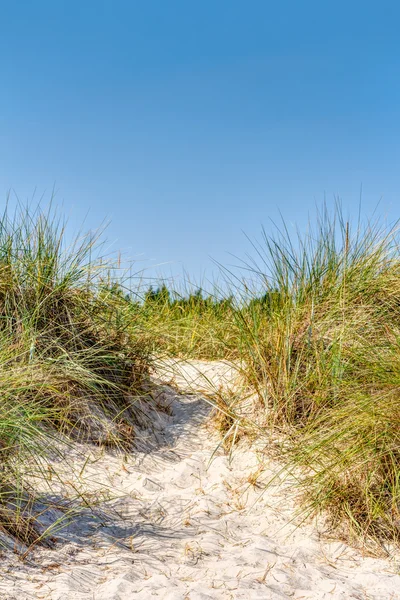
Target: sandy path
column 184, row 529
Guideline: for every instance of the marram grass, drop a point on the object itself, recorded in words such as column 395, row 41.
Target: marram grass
column 322, row 349
column 70, row 360
column 320, row 343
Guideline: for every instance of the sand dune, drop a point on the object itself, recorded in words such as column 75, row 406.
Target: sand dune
column 183, row 521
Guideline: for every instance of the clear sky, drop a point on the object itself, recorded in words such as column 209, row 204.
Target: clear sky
column 186, row 122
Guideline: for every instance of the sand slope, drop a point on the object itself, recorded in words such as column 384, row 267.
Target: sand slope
column 182, row 527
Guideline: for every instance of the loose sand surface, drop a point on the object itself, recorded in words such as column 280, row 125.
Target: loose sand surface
column 185, row 520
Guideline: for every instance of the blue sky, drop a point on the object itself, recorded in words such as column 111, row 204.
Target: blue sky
column 188, row 122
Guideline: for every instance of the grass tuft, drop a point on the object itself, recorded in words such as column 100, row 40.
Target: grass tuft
column 320, row 343
column 71, row 357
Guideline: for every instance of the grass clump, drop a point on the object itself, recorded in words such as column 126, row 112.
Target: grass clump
column 321, row 346
column 71, row 356
column 189, row 323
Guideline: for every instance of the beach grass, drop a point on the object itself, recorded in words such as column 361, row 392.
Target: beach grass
column 316, row 331
column 312, row 323
column 189, row 322
column 69, row 363
column 321, row 347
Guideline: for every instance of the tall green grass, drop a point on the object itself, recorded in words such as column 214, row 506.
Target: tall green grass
column 71, row 356
column 319, row 341
column 189, row 322
column 322, row 350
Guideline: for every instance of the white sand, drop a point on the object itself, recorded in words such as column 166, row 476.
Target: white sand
column 182, row 528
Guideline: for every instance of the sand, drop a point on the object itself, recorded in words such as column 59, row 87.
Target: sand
column 186, row 520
